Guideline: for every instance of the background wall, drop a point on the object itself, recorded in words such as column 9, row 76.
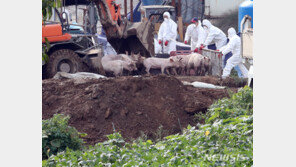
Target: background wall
column 218, row 8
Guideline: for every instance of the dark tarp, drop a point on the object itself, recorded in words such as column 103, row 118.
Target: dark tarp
column 74, row 2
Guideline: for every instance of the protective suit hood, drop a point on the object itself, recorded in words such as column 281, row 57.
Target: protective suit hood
column 199, row 23
column 207, row 23
column 167, row 14
column 231, row 32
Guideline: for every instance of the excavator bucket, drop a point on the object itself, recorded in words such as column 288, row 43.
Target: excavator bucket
column 124, row 35
column 137, row 37
column 143, row 32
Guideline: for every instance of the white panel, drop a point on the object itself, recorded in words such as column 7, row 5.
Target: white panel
column 247, row 44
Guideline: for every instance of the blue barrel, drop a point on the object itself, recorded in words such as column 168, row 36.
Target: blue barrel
column 245, row 8
column 152, row 2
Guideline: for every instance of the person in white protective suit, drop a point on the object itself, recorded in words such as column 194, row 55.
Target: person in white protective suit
column 214, row 35
column 196, row 33
column 234, row 46
column 167, row 34
column 157, row 47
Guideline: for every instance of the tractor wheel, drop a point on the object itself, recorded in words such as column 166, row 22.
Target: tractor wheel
column 63, row 60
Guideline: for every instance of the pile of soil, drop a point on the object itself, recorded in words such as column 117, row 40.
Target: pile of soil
column 131, row 105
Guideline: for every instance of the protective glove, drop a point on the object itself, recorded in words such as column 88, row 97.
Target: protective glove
column 201, row 47
column 159, row 42
column 185, row 42
column 196, row 50
column 166, row 43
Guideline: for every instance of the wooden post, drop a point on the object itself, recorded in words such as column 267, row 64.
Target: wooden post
column 131, row 13
column 179, row 8
column 180, row 27
column 76, row 11
column 125, row 8
column 174, row 3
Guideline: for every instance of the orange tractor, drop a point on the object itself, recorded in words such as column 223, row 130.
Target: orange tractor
column 73, row 51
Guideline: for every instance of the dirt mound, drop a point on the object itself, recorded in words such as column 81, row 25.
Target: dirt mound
column 131, row 105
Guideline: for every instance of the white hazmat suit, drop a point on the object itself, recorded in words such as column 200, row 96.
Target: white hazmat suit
column 234, row 46
column 157, row 47
column 197, row 35
column 168, row 33
column 214, row 35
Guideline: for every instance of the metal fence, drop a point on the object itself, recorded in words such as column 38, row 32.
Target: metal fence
column 216, row 61
column 214, row 56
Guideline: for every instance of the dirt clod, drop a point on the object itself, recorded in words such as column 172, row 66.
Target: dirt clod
column 108, row 113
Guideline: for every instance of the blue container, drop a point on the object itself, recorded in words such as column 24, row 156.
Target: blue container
column 245, row 8
column 152, row 2
column 136, row 13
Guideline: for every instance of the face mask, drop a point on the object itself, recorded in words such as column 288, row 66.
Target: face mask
column 166, row 20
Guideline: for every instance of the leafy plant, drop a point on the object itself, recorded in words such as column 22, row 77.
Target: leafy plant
column 160, row 133
column 47, row 6
column 199, row 117
column 238, row 104
column 226, row 140
column 45, row 49
column 57, row 136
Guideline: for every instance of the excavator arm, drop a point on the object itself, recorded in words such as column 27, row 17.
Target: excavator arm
column 124, row 35
column 109, row 19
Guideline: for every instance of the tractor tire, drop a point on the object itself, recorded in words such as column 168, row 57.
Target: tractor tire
column 64, row 60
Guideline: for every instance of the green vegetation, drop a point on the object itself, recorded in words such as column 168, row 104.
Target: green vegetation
column 45, row 49
column 47, row 7
column 225, row 140
column 57, row 136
